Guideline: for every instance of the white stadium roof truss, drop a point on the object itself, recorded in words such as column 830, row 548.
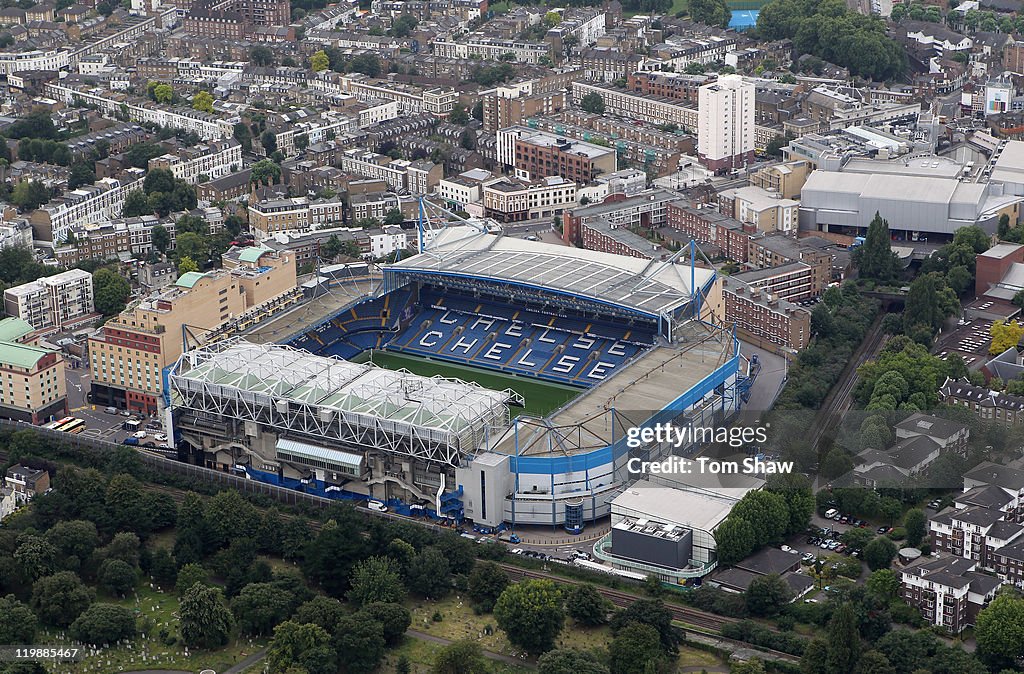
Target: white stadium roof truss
column 367, row 407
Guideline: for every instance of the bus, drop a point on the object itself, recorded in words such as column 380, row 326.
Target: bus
column 54, row 425
column 70, row 425
column 75, row 426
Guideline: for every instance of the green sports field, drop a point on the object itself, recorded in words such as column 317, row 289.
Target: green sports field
column 541, row 397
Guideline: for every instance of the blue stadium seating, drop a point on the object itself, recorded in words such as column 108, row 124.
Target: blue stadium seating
column 502, row 337
column 482, row 333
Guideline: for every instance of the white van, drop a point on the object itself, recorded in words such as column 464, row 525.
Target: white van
column 377, row 505
column 830, row 513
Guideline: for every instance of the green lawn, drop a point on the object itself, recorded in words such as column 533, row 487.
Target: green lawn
column 541, row 397
column 157, row 616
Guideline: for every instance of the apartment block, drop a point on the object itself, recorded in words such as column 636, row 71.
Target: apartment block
column 983, row 402
column 786, row 179
column 26, row 482
column 763, row 319
column 492, row 49
column 792, row 282
column 54, row 302
column 129, row 358
column 100, row 201
column 212, row 160
column 32, row 384
column 674, row 86
column 768, row 211
column 511, row 200
column 644, row 211
column 510, row 106
column 949, row 592
column 538, row 154
column 725, row 123
column 601, row 235
column 419, row 177
column 708, row 226
column 464, row 189
column 262, row 273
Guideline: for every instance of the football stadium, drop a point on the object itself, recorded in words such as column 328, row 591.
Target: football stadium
column 488, row 378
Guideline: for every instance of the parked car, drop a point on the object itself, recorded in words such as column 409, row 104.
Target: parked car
column 381, row 508
column 139, row 434
column 831, row 513
column 161, row 437
column 131, row 441
column 111, row 410
column 882, row 530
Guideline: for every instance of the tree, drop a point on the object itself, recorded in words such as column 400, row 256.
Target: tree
column 999, row 631
column 376, row 579
column 203, row 101
column 110, row 291
column 194, row 246
column 81, row 173
column 929, row 302
column 104, row 624
column 36, row 557
column 204, row 621
column 259, row 607
column 570, row 661
column 189, row 575
column 162, row 569
column 874, row 258
column 359, row 643
column 735, row 540
column 136, row 203
column 843, row 640
column 329, row 558
column 767, row 595
column 1005, row 335
column 161, row 238
column 269, row 142
column 636, row 649
column 916, row 525
column 879, row 553
column 186, row 265
column 593, row 103
column 265, row 172
column 461, row 657
column 873, row 662
column 394, row 217
column 531, row 614
column 17, row 623
column 59, row 599
column 767, row 513
column 710, row 12
column 117, row 577
column 753, row 666
column 29, row 195
column 429, row 574
column 319, row 62
column 163, row 93
column 486, row 583
column 585, row 605
column 884, row 584
column 650, row 612
column 301, row 648
column 261, row 56
column 322, row 611
column 394, row 619
column 459, row 115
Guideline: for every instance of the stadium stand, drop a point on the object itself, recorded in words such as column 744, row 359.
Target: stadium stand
column 516, row 341
column 362, row 326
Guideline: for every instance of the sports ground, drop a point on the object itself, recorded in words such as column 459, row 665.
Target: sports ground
column 541, row 397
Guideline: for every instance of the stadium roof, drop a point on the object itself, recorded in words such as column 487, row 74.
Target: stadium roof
column 649, row 286
column 236, row 368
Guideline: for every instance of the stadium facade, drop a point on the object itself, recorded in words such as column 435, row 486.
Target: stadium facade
column 635, row 341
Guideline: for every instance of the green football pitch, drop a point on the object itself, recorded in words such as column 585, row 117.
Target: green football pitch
column 541, row 397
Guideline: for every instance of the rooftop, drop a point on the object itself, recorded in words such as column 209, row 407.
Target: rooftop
column 648, row 287
column 688, row 508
